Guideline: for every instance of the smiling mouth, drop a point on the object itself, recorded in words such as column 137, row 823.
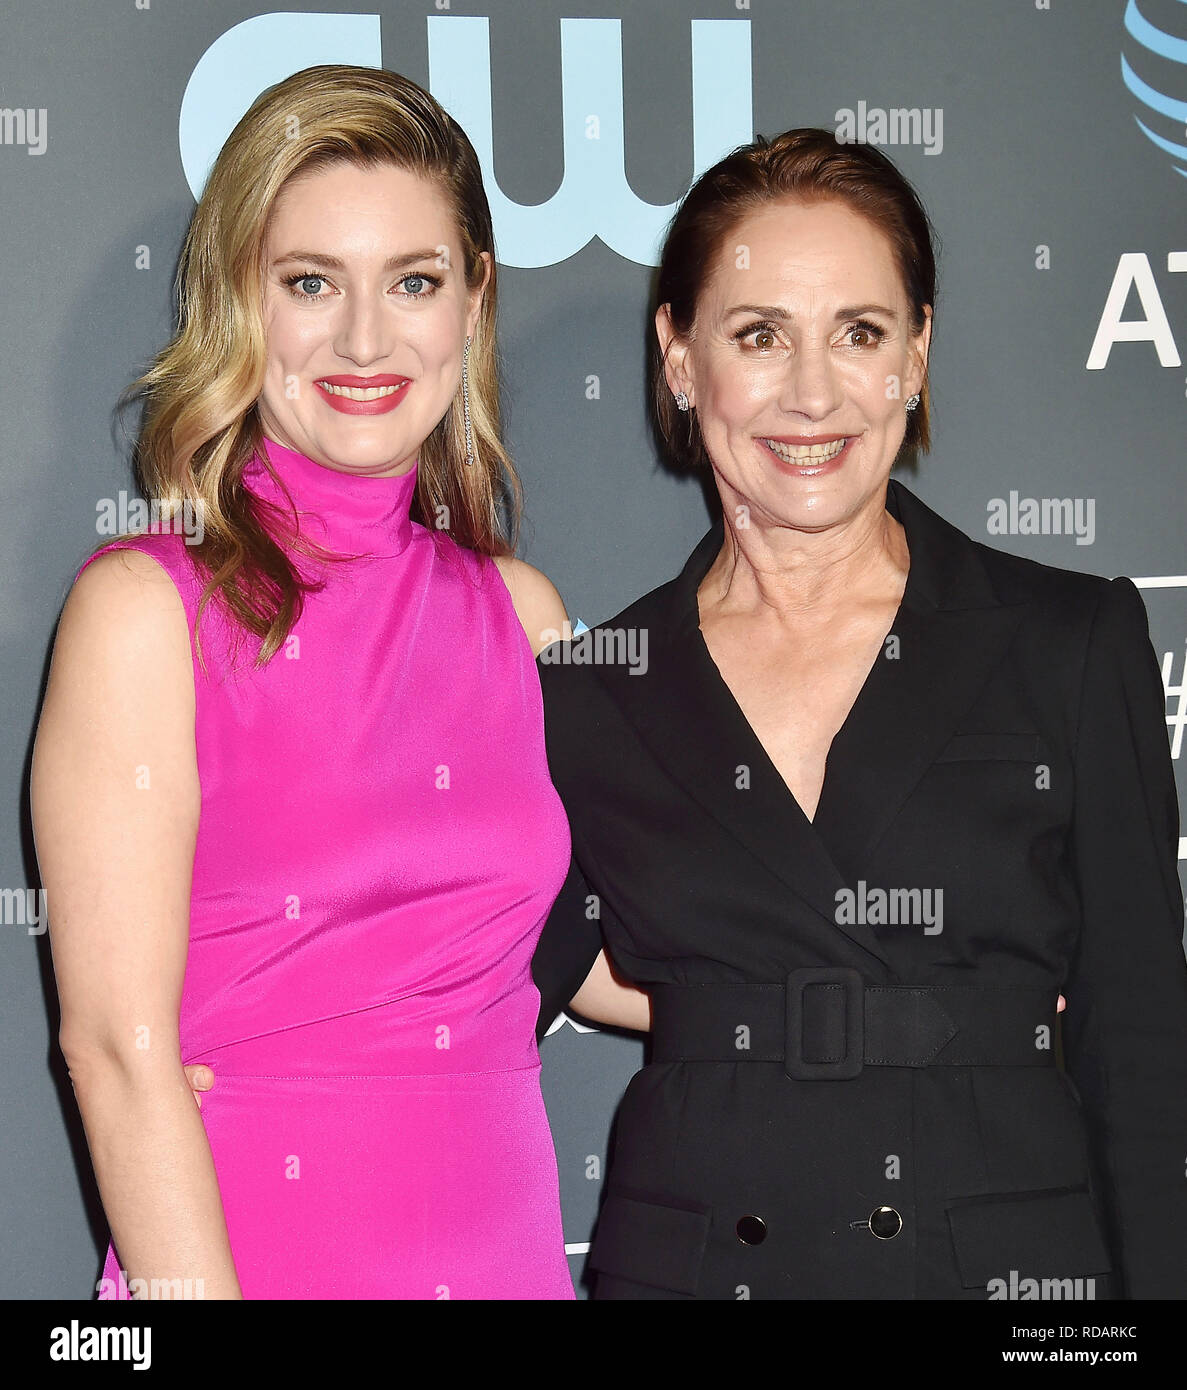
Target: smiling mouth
column 806, row 453
column 362, row 393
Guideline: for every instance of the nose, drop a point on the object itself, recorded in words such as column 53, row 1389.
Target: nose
column 364, row 332
column 811, row 385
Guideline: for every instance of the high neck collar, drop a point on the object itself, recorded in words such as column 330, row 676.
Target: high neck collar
column 348, row 514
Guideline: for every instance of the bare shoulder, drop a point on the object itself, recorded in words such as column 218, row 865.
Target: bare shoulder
column 123, row 639
column 539, row 606
column 125, row 583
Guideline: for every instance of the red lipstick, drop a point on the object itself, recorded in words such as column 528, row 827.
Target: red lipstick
column 384, row 393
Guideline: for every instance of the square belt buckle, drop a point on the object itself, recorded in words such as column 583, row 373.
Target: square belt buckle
column 853, row 1000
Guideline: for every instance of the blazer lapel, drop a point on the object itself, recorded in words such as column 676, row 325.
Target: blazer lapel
column 689, row 719
column 952, row 630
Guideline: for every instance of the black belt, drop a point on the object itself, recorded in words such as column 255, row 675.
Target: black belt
column 826, row 1024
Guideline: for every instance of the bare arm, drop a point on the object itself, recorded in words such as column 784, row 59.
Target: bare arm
column 115, row 802
column 604, row 998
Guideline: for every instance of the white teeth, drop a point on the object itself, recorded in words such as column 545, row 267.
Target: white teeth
column 361, row 393
column 806, row 453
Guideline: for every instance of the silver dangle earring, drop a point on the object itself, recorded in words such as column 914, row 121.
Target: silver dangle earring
column 681, row 402
column 466, row 403
column 912, row 402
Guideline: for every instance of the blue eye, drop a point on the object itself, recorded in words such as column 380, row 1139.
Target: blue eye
column 306, row 285
column 420, row 285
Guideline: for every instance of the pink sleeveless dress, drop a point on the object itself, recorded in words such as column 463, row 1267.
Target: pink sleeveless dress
column 378, row 848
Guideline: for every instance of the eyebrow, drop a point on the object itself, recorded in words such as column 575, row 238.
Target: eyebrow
column 776, row 311
column 336, row 263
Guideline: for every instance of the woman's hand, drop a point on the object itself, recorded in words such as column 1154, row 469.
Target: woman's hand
column 201, row 1078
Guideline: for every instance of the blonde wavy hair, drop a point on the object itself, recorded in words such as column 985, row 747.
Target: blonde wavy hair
column 201, row 426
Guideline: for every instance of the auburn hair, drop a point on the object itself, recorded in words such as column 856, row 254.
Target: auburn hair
column 811, row 165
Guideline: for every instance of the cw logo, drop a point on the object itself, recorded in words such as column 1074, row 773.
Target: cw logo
column 594, row 198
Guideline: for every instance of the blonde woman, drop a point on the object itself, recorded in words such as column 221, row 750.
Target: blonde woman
column 290, row 794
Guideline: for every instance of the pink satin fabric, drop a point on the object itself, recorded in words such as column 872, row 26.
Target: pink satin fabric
column 379, row 845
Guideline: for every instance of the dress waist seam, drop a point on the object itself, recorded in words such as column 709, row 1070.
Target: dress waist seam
column 363, row 1076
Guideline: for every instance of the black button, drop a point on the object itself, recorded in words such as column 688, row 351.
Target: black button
column 752, row 1230
column 885, row 1223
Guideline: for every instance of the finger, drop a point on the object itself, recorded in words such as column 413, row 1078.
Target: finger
column 1059, row 1008
column 200, row 1077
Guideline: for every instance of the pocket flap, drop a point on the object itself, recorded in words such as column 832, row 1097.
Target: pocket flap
column 1023, row 748
column 650, row 1242
column 1039, row 1235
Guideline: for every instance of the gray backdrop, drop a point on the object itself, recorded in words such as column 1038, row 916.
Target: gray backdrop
column 1057, row 189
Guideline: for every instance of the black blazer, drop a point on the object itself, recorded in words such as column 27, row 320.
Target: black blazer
column 860, row 1096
